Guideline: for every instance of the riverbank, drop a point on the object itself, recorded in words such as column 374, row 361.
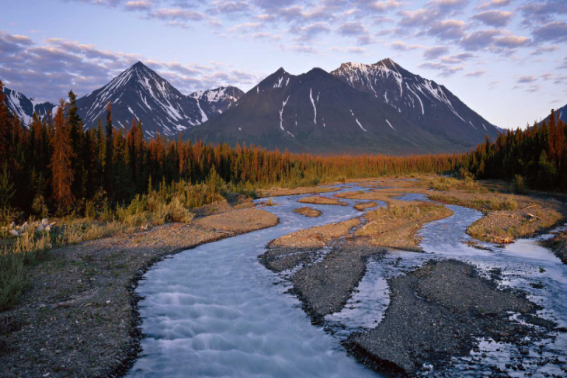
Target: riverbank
column 79, row 317
column 439, row 311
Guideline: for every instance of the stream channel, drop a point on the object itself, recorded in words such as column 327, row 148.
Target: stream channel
column 215, row 311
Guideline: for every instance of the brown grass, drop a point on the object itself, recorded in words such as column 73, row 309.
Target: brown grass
column 316, row 237
column 318, row 200
column 308, row 212
column 396, row 226
column 277, row 192
column 365, row 205
column 507, row 217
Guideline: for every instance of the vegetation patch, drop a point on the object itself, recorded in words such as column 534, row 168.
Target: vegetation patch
column 507, row 217
column 365, row 205
column 319, row 200
column 397, row 225
column 315, row 237
column 278, row 192
column 308, row 212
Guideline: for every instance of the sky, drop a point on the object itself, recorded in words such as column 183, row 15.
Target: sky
column 506, row 59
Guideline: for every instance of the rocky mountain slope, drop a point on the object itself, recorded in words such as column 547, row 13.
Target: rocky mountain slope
column 140, row 92
column 23, row 107
column 424, row 102
column 216, row 101
column 317, row 112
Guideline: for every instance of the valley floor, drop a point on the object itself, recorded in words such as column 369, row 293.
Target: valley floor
column 79, row 316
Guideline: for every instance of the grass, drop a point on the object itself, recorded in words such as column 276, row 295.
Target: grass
column 443, row 184
column 396, row 226
column 319, row 200
column 164, row 205
column 481, row 204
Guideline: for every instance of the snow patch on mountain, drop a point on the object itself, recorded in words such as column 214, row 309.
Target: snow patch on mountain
column 314, row 107
column 357, row 121
column 281, row 113
column 23, row 107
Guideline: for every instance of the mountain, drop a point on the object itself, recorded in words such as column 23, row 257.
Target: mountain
column 23, row 107
column 140, row 92
column 561, row 114
column 424, row 102
column 319, row 113
column 216, row 101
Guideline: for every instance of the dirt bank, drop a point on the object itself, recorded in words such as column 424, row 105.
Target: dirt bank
column 558, row 245
column 277, row 192
column 397, row 225
column 319, row 200
column 507, row 217
column 308, row 212
column 79, row 316
column 304, row 246
column 315, row 237
column 437, row 312
column 365, row 205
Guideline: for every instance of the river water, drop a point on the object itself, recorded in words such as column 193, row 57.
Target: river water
column 215, row 311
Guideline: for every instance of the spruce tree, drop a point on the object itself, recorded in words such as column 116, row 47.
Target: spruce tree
column 109, row 156
column 61, row 160
column 77, row 136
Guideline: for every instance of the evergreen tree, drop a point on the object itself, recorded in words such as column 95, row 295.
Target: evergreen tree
column 61, row 160
column 77, row 135
column 109, row 155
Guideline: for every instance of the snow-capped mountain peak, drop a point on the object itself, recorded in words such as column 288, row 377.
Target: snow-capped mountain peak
column 217, row 100
column 139, row 92
column 430, row 105
column 23, row 107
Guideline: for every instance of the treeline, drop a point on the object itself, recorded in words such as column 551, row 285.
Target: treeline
column 55, row 165
column 536, row 156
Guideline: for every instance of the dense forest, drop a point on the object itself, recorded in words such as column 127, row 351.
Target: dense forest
column 55, row 166
column 536, row 156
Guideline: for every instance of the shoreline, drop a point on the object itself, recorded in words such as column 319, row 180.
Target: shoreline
column 62, row 334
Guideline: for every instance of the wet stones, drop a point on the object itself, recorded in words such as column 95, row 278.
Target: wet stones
column 438, row 312
column 325, row 286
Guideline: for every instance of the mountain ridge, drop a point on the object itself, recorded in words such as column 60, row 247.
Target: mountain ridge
column 23, row 107
column 316, row 112
column 430, row 105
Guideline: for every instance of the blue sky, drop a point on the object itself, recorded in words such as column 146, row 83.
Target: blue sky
column 506, row 59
